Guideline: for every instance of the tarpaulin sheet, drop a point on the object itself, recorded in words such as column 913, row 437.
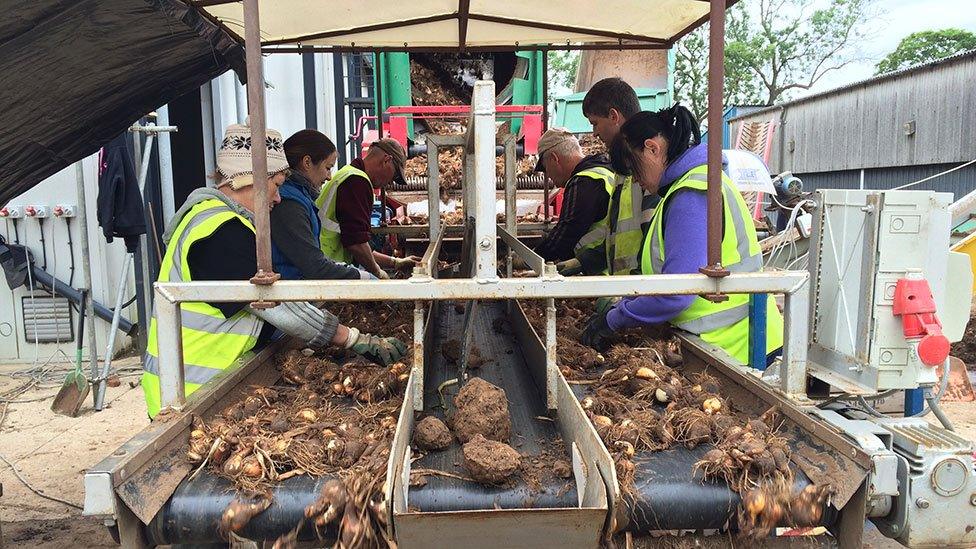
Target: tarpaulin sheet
column 77, row 73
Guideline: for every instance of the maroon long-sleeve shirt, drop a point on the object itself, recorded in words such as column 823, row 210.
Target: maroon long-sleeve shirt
column 354, row 207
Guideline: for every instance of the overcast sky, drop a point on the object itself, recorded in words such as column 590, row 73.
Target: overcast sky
column 897, row 19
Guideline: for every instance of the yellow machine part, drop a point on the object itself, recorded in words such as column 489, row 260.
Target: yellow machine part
column 968, row 247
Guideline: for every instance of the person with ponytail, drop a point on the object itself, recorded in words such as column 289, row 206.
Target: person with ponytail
column 663, row 152
column 295, row 223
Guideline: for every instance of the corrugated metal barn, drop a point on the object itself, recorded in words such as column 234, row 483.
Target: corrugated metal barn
column 881, row 133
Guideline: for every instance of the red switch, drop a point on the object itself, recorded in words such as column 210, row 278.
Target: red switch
column 30, row 211
column 914, row 303
column 4, row 212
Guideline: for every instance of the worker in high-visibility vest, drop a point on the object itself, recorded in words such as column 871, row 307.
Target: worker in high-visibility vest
column 664, row 153
column 577, row 242
column 212, row 238
column 346, row 206
column 607, row 105
column 295, row 224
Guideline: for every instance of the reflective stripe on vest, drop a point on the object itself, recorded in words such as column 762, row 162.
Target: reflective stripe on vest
column 212, row 343
column 326, row 202
column 740, row 253
column 597, row 233
column 625, row 235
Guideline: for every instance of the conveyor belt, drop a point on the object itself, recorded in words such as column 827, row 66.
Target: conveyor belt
column 191, row 516
column 670, row 497
column 525, row 402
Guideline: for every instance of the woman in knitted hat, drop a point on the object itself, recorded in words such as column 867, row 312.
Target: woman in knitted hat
column 212, row 237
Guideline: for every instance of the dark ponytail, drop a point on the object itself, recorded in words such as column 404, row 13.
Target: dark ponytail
column 676, row 124
column 311, row 143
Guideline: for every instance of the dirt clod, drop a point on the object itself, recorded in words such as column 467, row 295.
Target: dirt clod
column 482, row 409
column 562, row 469
column 431, row 434
column 489, row 461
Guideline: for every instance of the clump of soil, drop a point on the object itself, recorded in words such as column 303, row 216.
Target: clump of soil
column 562, row 469
column 432, row 434
column 490, row 461
column 481, row 409
column 451, row 350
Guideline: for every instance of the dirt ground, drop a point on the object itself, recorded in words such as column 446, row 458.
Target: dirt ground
column 52, row 452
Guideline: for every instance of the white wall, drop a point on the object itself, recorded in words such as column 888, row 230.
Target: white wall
column 285, row 101
column 106, row 263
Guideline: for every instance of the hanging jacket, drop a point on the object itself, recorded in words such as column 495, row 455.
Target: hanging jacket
column 119, row 205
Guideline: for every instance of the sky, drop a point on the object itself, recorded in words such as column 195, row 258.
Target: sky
column 895, row 20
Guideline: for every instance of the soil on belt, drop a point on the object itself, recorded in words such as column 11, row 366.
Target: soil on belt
column 432, row 434
column 490, row 461
column 482, row 409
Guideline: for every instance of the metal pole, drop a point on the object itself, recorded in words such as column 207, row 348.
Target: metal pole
column 259, row 153
column 378, row 84
column 483, row 114
column 166, row 164
column 86, row 269
column 169, row 339
column 110, row 348
column 716, row 77
column 545, row 90
column 340, row 111
column 796, row 326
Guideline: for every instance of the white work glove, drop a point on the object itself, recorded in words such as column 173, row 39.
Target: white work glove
column 382, row 275
column 405, row 264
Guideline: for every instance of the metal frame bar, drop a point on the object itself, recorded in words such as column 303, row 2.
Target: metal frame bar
column 792, row 283
column 259, row 154
column 481, row 138
column 532, row 259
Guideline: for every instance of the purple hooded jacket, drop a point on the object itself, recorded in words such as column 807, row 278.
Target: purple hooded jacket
column 685, row 244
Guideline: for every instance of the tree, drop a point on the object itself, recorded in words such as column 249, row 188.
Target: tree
column 691, row 69
column 563, row 66
column 925, row 46
column 773, row 48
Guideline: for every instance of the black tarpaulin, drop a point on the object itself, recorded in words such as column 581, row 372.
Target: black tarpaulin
column 77, row 73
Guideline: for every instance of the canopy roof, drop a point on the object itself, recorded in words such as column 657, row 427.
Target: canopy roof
column 467, row 24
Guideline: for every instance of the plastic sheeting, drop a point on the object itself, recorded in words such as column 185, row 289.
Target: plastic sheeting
column 77, row 73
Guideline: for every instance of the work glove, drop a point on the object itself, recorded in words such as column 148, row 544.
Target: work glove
column 597, row 332
column 366, row 275
column 382, row 275
column 570, row 267
column 381, row 350
column 604, row 304
column 405, row 264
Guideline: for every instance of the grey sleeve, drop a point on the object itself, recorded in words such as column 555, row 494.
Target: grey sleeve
column 316, row 327
column 291, row 232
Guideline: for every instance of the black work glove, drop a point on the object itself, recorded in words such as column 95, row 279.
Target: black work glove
column 597, row 331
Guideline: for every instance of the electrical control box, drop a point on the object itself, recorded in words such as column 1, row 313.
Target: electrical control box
column 863, row 243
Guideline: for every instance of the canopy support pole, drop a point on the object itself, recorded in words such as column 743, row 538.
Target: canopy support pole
column 265, row 274
column 716, row 77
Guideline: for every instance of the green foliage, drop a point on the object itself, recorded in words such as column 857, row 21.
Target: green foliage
column 772, row 48
column 563, row 66
column 926, row 46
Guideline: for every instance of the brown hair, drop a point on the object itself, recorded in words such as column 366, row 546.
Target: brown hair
column 311, row 143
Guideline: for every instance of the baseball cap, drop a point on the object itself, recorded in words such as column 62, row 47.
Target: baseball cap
column 393, row 148
column 550, row 140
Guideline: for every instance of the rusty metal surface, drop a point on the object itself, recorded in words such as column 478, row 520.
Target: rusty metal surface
column 821, row 452
column 147, row 468
column 145, row 493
